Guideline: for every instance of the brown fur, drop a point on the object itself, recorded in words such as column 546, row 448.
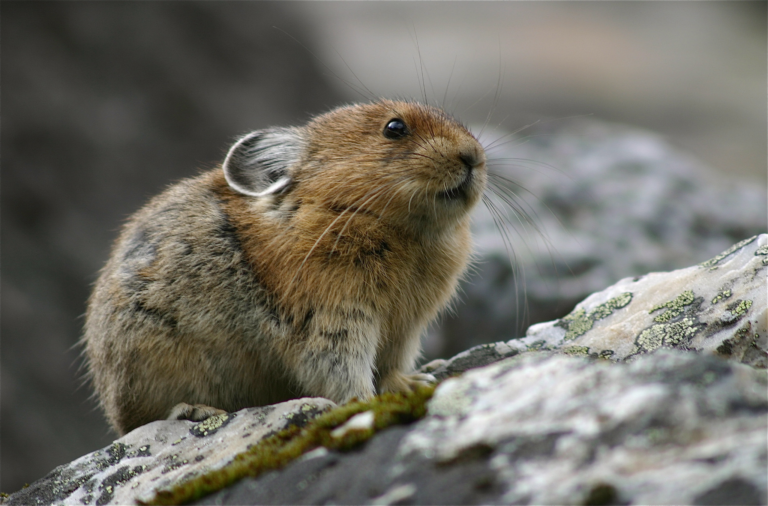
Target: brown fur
column 229, row 300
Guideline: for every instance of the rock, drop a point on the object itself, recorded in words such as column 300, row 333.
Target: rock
column 604, row 202
column 162, row 453
column 651, row 391
column 106, row 103
column 668, row 428
column 477, row 356
column 717, row 307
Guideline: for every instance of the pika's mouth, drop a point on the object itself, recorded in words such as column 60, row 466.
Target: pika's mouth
column 458, row 192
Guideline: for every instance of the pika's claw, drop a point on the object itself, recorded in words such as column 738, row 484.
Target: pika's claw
column 398, row 382
column 434, row 365
column 193, row 412
column 424, row 378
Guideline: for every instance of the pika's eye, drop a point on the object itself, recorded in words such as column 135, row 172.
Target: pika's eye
column 395, row 129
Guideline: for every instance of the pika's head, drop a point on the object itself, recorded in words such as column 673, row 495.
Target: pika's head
column 404, row 163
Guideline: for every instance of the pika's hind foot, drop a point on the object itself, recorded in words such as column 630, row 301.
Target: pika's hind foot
column 399, row 382
column 193, row 412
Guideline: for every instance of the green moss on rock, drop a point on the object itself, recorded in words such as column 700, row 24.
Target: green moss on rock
column 287, row 445
column 606, row 309
column 763, row 251
column 674, row 327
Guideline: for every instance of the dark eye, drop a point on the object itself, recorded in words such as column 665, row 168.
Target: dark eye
column 395, row 129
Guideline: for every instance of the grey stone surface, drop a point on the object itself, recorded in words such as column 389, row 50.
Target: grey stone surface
column 161, row 454
column 604, row 202
column 668, row 428
column 472, row 358
column 365, row 477
column 718, row 307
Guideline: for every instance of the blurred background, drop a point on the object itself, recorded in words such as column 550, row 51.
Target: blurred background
column 106, row 103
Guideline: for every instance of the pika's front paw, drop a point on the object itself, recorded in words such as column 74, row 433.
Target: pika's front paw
column 193, row 412
column 399, row 382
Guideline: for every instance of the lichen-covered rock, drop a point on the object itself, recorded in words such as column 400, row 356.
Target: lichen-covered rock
column 474, row 357
column 162, row 453
column 668, row 428
column 538, row 428
column 541, row 428
column 606, row 201
column 717, row 307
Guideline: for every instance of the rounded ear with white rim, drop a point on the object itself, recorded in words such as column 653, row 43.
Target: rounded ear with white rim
column 258, row 163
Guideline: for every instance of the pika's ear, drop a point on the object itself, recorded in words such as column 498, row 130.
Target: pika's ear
column 258, row 163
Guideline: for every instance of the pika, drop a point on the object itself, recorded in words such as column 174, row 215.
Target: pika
column 308, row 264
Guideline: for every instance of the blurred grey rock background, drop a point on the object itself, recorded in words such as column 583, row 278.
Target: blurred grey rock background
column 104, row 104
column 624, row 203
column 694, row 72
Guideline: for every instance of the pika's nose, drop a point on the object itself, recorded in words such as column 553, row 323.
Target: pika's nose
column 469, row 158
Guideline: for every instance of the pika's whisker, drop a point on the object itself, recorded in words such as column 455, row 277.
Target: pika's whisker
column 357, row 207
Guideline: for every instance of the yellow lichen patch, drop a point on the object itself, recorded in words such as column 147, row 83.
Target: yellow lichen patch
column 763, row 251
column 606, row 309
column 673, row 307
column 712, row 262
column 735, row 311
column 742, row 308
column 579, row 322
column 212, row 424
column 720, row 296
column 652, row 338
column 666, row 334
column 287, row 445
column 576, row 351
